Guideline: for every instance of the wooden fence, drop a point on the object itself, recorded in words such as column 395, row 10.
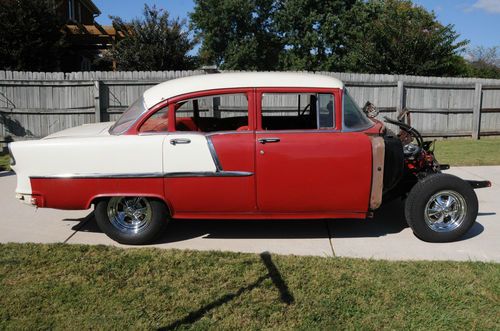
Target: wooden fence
column 33, row 105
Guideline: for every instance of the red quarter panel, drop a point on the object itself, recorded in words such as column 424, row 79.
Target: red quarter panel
column 78, row 193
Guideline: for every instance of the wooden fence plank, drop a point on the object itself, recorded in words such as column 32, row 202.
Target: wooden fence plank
column 36, row 104
column 97, row 100
column 476, row 119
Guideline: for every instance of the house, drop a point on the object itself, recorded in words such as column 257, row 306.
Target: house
column 87, row 38
column 77, row 11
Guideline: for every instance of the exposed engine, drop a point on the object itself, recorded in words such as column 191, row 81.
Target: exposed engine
column 408, row 157
column 418, row 154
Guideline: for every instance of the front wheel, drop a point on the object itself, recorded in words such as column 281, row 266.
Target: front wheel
column 131, row 220
column 441, row 208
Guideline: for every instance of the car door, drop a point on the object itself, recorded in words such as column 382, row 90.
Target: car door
column 209, row 159
column 304, row 163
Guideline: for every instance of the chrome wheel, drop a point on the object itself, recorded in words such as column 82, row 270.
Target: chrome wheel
column 445, row 211
column 129, row 214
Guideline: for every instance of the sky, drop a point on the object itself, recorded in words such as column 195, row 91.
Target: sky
column 475, row 20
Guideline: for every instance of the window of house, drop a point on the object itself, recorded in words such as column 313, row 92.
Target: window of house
column 79, row 12
column 225, row 112
column 297, row 111
column 71, row 9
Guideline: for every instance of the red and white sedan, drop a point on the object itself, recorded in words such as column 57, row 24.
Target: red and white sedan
column 242, row 146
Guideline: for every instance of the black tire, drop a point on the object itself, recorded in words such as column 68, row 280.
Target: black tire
column 116, row 228
column 428, row 195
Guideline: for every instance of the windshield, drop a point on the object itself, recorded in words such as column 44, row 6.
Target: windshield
column 354, row 118
column 128, row 117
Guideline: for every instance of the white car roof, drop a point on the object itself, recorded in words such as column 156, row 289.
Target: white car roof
column 190, row 84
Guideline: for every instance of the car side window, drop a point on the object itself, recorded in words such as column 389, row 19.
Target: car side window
column 354, row 118
column 225, row 112
column 158, row 122
column 297, row 111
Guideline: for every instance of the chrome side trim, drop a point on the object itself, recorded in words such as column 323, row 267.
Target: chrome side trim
column 91, row 176
column 213, row 152
column 209, row 174
column 149, row 175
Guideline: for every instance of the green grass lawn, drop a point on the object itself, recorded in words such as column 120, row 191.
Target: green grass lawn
column 83, row 287
column 461, row 152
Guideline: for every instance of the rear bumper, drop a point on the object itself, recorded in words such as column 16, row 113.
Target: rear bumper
column 479, row 183
column 27, row 199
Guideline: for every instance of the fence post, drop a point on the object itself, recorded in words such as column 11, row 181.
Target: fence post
column 97, row 100
column 401, row 102
column 216, row 107
column 476, row 112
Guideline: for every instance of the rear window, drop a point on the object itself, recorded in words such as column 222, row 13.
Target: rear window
column 354, row 118
column 129, row 117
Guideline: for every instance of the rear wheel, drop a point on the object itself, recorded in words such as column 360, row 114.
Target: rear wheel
column 441, row 208
column 131, row 220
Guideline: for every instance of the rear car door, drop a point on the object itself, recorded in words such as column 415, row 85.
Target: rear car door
column 209, row 159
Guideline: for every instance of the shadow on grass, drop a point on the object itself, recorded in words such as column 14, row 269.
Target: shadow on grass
column 389, row 219
column 272, row 273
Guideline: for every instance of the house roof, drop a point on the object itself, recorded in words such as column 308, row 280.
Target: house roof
column 91, row 6
column 176, row 87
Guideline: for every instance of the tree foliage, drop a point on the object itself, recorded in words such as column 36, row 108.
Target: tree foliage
column 237, row 34
column 397, row 37
column 314, row 33
column 484, row 62
column 30, row 36
column 392, row 36
column 154, row 42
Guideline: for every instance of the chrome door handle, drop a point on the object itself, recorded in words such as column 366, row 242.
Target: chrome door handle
column 269, row 140
column 179, row 141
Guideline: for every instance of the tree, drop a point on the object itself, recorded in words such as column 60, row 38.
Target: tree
column 30, row 36
column 374, row 36
column 484, row 62
column 314, row 33
column 397, row 37
column 237, row 34
column 154, row 42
